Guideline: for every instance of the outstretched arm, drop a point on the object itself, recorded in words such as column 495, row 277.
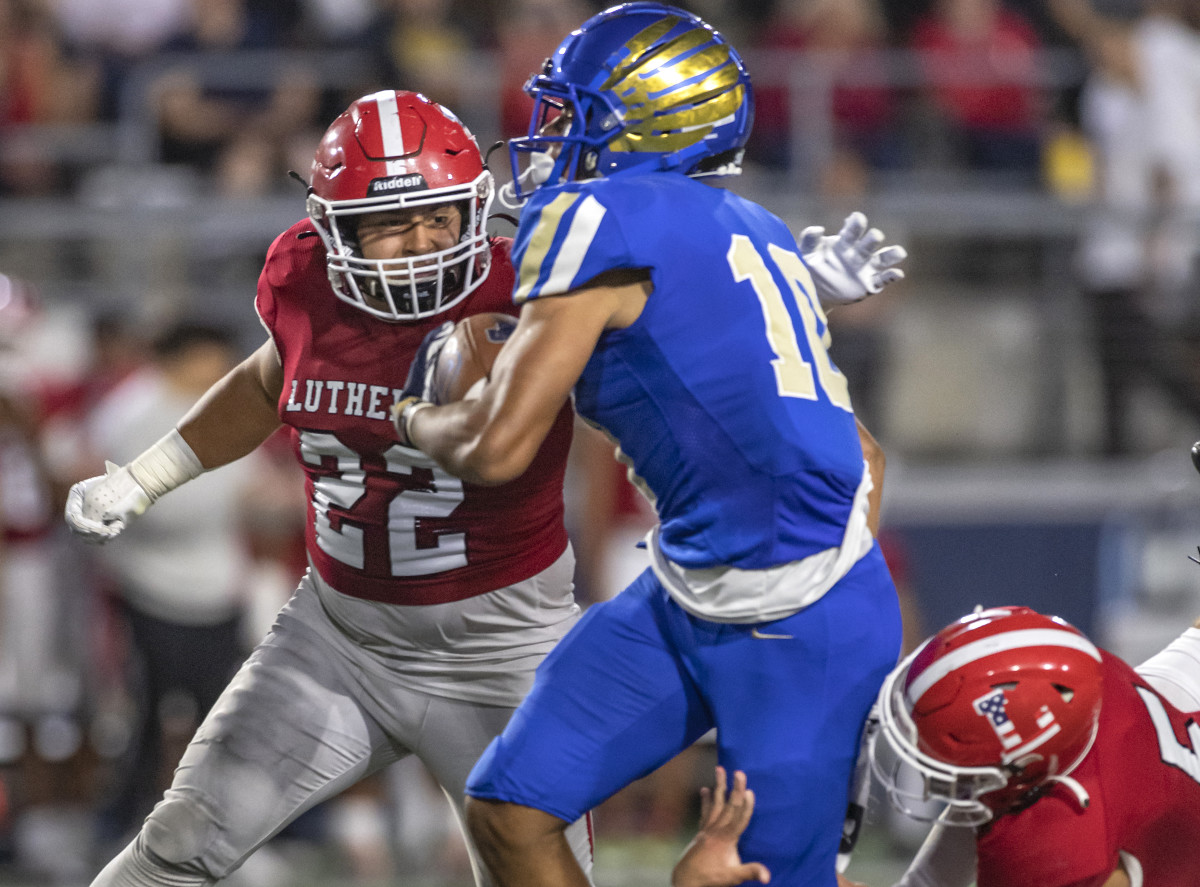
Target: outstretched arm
column 1105, row 41
column 238, row 413
column 228, row 422
column 711, row 859
column 493, row 439
column 1175, row 670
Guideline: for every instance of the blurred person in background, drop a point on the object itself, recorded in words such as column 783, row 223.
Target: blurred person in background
column 43, row 754
column 273, row 516
column 428, row 602
column 115, row 348
column 41, row 85
column 112, row 37
column 849, row 101
column 527, row 34
column 980, row 59
column 244, row 138
column 339, row 23
column 1137, row 256
column 178, row 577
column 429, row 47
column 840, row 43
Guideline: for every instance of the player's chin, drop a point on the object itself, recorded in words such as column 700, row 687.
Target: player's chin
column 401, row 298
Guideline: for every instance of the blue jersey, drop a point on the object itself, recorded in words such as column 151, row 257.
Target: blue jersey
column 721, row 395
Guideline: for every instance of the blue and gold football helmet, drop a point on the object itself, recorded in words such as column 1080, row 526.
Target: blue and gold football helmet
column 639, row 86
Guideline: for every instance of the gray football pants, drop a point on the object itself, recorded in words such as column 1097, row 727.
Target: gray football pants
column 301, row 721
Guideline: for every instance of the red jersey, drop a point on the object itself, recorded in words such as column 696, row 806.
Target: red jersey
column 1143, row 778
column 385, row 523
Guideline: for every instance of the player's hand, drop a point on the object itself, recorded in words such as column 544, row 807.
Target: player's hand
column 711, row 859
column 850, row 265
column 418, row 387
column 99, row 508
column 843, row 881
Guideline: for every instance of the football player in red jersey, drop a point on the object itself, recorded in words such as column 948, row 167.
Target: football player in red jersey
column 429, row 601
column 1057, row 763
column 1047, row 760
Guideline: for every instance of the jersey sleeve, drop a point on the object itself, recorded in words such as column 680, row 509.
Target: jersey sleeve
column 278, row 301
column 266, row 301
column 566, row 237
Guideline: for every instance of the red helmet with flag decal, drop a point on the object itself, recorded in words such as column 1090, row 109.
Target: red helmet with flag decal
column 987, row 714
column 390, row 151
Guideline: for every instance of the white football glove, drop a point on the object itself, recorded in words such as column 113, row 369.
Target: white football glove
column 850, row 265
column 99, row 508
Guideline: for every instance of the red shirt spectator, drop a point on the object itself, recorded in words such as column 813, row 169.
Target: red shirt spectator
column 981, row 60
column 837, row 43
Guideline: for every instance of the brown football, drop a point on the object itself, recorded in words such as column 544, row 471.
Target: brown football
column 468, row 355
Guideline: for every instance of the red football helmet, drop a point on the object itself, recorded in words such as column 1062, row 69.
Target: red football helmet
column 398, row 150
column 988, row 712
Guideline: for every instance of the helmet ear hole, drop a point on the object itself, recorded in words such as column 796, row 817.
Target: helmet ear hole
column 1065, row 692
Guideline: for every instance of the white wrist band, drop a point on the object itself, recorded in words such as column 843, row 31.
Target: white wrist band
column 166, row 465
column 407, row 416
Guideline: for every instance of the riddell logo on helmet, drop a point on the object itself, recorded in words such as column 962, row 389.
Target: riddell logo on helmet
column 410, row 182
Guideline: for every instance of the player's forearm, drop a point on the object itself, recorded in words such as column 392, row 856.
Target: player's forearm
column 494, row 439
column 877, row 462
column 237, row 414
column 463, row 439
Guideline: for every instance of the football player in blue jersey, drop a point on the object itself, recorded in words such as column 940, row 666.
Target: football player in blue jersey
column 690, row 329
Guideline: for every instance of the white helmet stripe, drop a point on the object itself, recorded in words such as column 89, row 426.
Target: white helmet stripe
column 997, row 643
column 389, row 125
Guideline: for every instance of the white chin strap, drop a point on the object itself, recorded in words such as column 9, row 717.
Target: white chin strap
column 541, row 164
column 1077, row 790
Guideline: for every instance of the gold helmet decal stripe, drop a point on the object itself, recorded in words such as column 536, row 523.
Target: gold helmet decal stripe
column 637, row 47
column 714, row 109
column 673, row 94
column 686, row 127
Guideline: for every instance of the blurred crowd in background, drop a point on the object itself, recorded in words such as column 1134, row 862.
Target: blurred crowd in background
column 1088, row 111
column 96, row 61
